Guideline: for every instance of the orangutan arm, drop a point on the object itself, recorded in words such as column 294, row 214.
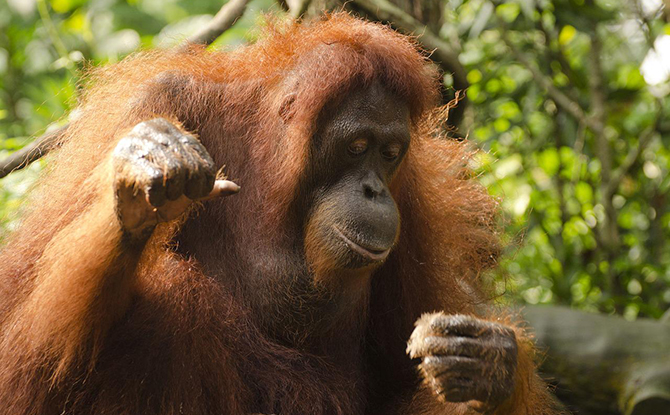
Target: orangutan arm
column 84, row 278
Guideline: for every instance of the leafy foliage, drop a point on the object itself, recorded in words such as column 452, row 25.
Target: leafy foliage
column 545, row 163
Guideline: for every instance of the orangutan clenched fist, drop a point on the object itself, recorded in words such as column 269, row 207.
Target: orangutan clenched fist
column 159, row 171
column 465, row 358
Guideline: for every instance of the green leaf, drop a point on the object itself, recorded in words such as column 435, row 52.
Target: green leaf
column 64, row 6
column 501, row 125
column 549, row 162
column 628, row 76
column 508, row 11
column 567, row 34
column 584, row 192
column 474, row 76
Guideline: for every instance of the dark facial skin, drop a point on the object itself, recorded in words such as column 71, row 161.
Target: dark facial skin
column 355, row 155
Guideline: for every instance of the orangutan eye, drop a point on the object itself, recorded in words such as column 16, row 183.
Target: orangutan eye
column 391, row 152
column 358, row 147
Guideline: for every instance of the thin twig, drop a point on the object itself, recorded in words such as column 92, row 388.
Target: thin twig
column 571, row 106
column 645, row 23
column 297, row 8
column 634, row 154
column 53, row 35
column 31, row 152
column 568, row 104
column 579, row 152
column 558, row 54
column 597, row 93
column 608, row 228
column 222, row 21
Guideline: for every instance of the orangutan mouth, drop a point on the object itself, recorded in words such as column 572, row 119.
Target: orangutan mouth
column 371, row 254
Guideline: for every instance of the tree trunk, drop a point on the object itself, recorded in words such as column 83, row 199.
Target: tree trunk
column 604, row 365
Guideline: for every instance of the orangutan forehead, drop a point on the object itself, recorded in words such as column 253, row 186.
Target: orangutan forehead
column 371, row 110
column 376, row 99
column 331, row 72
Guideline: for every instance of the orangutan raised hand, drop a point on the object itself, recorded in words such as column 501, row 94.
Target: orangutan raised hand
column 159, row 170
column 465, row 359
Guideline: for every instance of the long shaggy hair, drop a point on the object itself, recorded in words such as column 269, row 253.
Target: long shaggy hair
column 161, row 335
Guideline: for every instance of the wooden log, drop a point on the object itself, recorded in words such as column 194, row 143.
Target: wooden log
column 604, row 365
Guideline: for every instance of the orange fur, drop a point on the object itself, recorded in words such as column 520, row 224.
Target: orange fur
column 92, row 326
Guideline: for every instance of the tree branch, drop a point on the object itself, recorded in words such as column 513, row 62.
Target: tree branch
column 297, row 8
column 222, row 21
column 31, row 152
column 608, row 227
column 558, row 54
column 596, row 90
column 634, row 154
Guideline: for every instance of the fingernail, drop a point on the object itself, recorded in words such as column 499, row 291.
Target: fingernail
column 228, row 187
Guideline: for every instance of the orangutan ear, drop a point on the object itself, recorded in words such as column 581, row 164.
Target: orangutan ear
column 286, row 110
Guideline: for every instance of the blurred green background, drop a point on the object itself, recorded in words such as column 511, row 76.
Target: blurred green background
column 566, row 97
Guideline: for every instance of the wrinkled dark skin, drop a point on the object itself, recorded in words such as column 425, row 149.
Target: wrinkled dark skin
column 356, row 151
column 466, row 359
column 159, row 170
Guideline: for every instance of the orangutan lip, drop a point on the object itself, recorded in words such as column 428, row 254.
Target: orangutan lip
column 373, row 255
